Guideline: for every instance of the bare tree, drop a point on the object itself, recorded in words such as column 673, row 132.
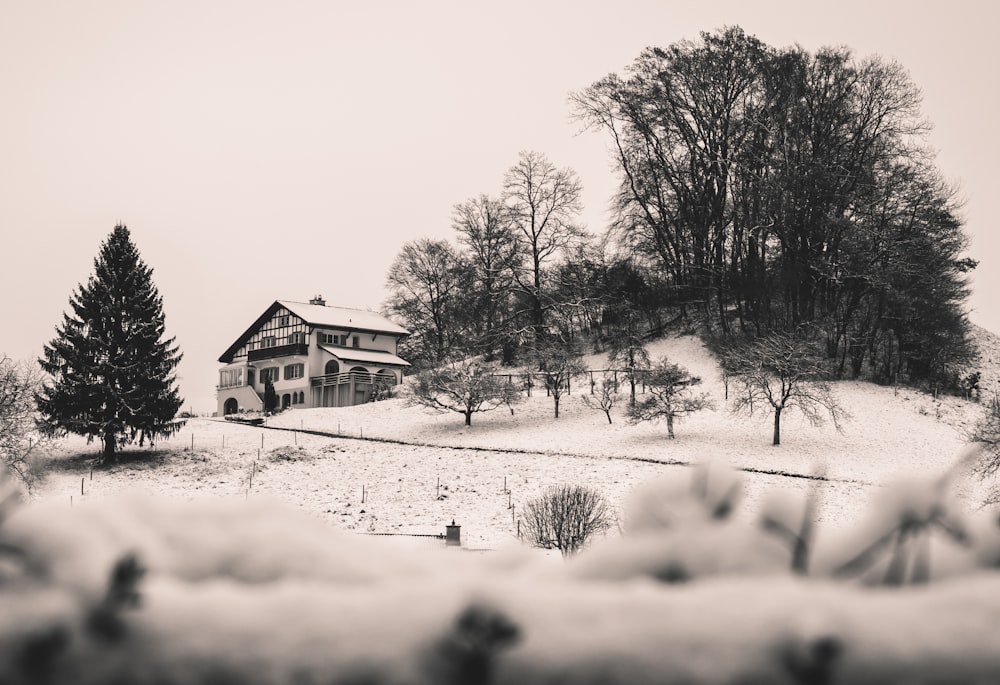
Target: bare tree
column 778, row 371
column 565, row 517
column 604, row 395
column 465, row 388
column 544, row 203
column 986, row 434
column 556, row 364
column 484, row 226
column 427, row 283
column 669, row 396
column 19, row 437
column 627, row 351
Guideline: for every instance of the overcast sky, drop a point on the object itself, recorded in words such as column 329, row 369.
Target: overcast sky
column 279, row 150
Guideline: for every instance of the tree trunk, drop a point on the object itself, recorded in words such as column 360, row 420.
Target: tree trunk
column 556, row 402
column 608, row 414
column 109, row 448
column 777, row 427
column 670, row 426
column 468, row 418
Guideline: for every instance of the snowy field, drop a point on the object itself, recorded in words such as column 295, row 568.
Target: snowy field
column 428, row 476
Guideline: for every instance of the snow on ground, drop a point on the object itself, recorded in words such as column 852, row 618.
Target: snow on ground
column 371, row 486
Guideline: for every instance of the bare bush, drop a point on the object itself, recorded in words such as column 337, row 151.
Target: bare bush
column 565, row 517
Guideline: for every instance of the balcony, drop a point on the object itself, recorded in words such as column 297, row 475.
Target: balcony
column 357, row 377
column 278, row 351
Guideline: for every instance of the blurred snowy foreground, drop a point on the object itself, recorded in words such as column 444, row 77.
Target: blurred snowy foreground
column 232, row 554
column 153, row 590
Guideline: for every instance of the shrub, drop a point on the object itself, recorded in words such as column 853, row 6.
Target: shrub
column 565, row 517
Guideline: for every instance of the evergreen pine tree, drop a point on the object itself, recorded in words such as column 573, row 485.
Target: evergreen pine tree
column 112, row 373
column 270, row 396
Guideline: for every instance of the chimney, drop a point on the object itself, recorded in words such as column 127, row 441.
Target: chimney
column 318, row 300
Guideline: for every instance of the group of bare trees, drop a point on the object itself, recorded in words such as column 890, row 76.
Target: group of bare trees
column 471, row 386
column 768, row 191
column 493, row 292
column 770, row 374
column 774, row 188
column 466, row 388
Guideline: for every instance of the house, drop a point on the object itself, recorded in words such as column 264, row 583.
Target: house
column 315, row 355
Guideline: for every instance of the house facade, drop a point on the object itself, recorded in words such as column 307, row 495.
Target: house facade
column 314, row 355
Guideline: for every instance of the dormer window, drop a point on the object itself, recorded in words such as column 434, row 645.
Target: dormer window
column 329, row 339
column 283, row 320
column 297, row 338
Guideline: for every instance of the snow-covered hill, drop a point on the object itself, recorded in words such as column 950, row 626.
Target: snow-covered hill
column 427, row 475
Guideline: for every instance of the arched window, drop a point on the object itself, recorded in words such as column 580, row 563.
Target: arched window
column 286, row 401
column 332, row 367
column 231, row 406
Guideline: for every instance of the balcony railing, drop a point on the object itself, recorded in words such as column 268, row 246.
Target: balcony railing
column 352, row 376
column 278, row 351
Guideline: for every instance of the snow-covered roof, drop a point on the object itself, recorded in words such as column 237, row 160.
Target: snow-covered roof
column 342, row 317
column 375, row 357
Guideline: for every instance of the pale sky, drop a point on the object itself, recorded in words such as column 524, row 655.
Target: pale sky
column 278, row 150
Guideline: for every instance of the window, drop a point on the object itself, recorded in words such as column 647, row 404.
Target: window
column 329, row 339
column 355, row 342
column 297, row 338
column 283, row 320
column 267, row 341
column 231, row 378
column 269, row 374
column 293, row 371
